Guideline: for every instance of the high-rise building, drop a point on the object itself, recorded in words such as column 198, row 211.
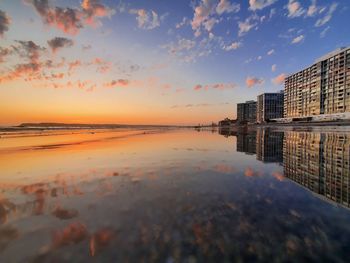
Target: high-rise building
column 269, row 106
column 323, row 88
column 246, row 112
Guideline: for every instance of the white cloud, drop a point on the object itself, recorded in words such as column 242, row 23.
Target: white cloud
column 328, row 16
column 247, row 25
column 183, row 22
column 324, row 32
column 259, row 58
column 225, row 6
column 260, row 4
column 295, row 9
column 209, row 24
column 298, row 39
column 273, row 67
column 312, row 10
column 270, row 52
column 233, row 46
column 146, row 19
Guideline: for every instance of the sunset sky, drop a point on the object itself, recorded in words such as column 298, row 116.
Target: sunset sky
column 155, row 61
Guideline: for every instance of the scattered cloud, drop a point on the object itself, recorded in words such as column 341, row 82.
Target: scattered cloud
column 190, row 105
column 245, row 26
column 205, row 12
column 146, row 19
column 328, row 16
column 313, row 9
column 59, row 42
column 279, row 80
column 4, row 52
column 233, row 46
column 270, row 52
column 117, row 83
column 273, row 67
column 216, row 86
column 253, row 81
column 294, row 9
column 324, row 32
column 298, row 39
column 93, row 9
column 4, row 23
column 225, row 6
column 183, row 22
column 71, row 20
column 260, row 4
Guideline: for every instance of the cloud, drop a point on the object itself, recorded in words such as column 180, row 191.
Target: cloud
column 29, row 50
column 4, row 23
column 209, row 24
column 270, row 52
column 225, row 6
column 146, row 20
column 216, row 86
column 328, row 16
column 86, row 47
column 233, row 46
column 298, row 39
column 247, row 25
column 93, row 9
column 59, row 42
column 279, row 80
column 273, row 67
column 182, row 44
column 197, row 87
column 71, row 20
column 312, row 10
column 182, row 23
column 324, row 32
column 4, row 52
column 117, row 83
column 294, row 9
column 260, row 4
column 202, row 13
column 253, row 81
column 74, row 64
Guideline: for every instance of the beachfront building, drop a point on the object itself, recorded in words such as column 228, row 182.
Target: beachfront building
column 269, row 106
column 246, row 112
column 321, row 89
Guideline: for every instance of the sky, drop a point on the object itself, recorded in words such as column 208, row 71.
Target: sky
column 155, row 61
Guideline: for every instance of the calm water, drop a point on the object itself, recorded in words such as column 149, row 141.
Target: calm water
column 175, row 196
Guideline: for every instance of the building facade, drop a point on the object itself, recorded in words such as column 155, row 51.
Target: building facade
column 323, row 88
column 246, row 112
column 269, row 106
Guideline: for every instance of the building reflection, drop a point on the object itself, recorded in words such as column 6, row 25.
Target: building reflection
column 317, row 161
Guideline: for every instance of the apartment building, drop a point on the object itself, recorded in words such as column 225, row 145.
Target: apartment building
column 246, row 112
column 269, row 106
column 323, row 88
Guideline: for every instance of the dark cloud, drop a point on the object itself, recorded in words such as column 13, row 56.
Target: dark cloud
column 28, row 49
column 4, row 52
column 4, row 23
column 59, row 42
column 71, row 20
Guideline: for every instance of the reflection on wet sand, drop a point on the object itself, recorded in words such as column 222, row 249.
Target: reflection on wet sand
column 177, row 196
column 319, row 161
